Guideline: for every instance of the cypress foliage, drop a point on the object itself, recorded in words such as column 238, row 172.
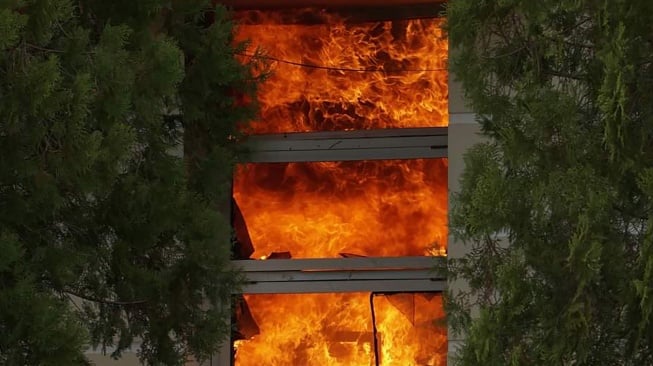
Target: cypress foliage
column 108, row 234
column 556, row 206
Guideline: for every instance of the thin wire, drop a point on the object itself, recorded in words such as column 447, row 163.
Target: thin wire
column 344, row 69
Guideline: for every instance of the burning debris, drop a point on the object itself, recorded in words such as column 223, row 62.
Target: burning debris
column 246, row 327
column 242, row 246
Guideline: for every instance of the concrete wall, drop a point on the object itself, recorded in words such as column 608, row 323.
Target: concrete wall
column 463, row 133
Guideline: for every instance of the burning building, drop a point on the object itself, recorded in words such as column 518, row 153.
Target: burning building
column 340, row 211
column 342, row 206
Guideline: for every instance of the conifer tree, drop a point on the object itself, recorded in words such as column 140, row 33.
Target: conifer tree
column 110, row 232
column 556, row 205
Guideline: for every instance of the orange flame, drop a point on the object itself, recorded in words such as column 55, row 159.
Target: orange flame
column 336, row 329
column 371, row 208
column 405, row 85
column 339, row 76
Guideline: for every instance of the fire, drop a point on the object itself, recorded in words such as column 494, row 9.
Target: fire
column 336, row 329
column 341, row 76
column 405, row 85
column 371, row 208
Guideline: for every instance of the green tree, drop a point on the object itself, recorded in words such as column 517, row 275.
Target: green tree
column 109, row 230
column 556, row 205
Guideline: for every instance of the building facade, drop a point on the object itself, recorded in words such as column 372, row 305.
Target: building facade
column 355, row 104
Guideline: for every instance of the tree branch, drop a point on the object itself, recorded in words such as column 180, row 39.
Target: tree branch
column 104, row 301
column 51, row 50
column 561, row 74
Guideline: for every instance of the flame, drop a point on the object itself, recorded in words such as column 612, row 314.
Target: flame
column 326, row 209
column 336, row 329
column 407, row 89
column 371, row 208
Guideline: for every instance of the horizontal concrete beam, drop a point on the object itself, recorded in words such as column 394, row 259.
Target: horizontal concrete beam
column 374, row 274
column 408, row 143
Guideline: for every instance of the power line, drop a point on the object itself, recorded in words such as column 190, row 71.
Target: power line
column 344, row 69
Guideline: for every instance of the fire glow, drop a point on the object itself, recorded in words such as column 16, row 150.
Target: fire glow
column 405, row 84
column 331, row 209
column 335, row 329
column 334, row 209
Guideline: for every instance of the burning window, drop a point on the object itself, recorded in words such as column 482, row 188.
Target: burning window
column 338, row 329
column 331, row 209
column 331, row 74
